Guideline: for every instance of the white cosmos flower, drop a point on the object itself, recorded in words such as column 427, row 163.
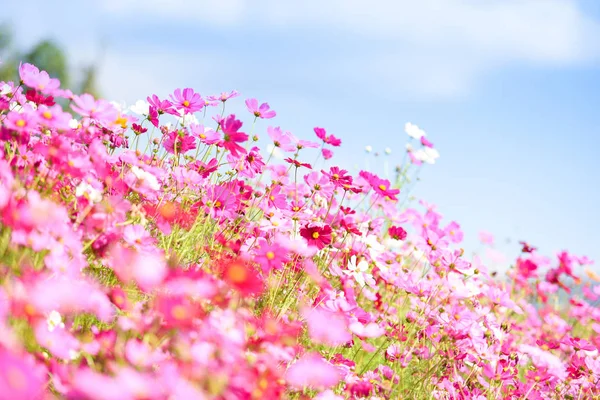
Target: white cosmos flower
column 368, row 149
column 140, row 107
column 146, row 177
column 187, row 119
column 357, row 270
column 388, row 151
column 87, row 190
column 120, row 106
column 5, row 89
column 427, row 155
column 73, row 124
column 414, row 131
column 277, row 153
column 54, row 320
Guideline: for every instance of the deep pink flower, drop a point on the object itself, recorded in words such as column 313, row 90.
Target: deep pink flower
column 179, row 142
column 231, row 136
column 339, row 177
column 327, row 154
column 315, row 235
column 397, row 232
column 284, row 140
column 380, row 186
column 426, row 142
column 160, row 106
column 263, row 111
column 205, row 134
column 332, row 140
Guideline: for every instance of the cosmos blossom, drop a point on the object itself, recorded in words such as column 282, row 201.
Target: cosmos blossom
column 263, row 111
column 153, row 256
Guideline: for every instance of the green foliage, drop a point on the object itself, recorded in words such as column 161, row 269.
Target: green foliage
column 47, row 55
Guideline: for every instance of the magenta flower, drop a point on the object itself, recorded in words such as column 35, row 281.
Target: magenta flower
column 315, row 235
column 231, row 136
column 331, row 140
column 160, row 106
column 397, row 232
column 179, row 142
column 263, row 111
column 186, row 101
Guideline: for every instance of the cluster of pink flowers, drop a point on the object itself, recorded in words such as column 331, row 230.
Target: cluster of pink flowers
column 199, row 269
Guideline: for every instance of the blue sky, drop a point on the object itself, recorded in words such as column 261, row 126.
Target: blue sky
column 507, row 90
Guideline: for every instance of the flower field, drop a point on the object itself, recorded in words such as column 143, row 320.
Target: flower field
column 161, row 251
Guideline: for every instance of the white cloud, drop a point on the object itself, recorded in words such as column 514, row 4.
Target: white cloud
column 425, row 48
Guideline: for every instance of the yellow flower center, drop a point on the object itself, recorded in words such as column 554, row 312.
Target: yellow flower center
column 179, row 312
column 237, row 273
column 186, row 103
column 315, row 235
column 47, row 114
column 382, row 187
column 270, row 255
column 21, row 123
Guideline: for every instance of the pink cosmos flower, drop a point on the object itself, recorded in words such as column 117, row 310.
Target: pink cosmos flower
column 224, row 96
column 138, row 237
column 39, row 80
column 21, row 121
column 187, row 101
column 270, row 256
column 146, row 269
column 312, row 371
column 100, row 110
column 327, row 154
column 58, row 341
column 205, row 134
column 370, row 330
column 486, row 238
column 53, row 117
column 284, row 140
column 20, row 377
column 327, row 327
column 263, row 111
